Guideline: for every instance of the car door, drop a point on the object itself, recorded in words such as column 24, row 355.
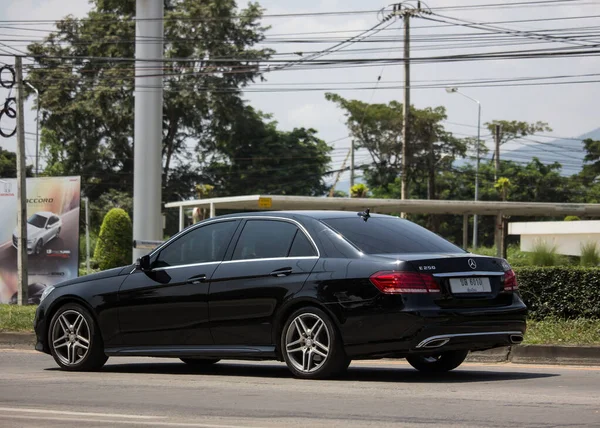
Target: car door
column 270, row 262
column 168, row 305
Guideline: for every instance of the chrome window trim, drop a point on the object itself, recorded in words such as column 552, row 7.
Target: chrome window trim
column 268, row 259
column 469, row 273
column 289, row 220
column 185, row 266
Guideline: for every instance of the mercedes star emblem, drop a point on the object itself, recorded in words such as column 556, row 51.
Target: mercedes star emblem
column 472, row 264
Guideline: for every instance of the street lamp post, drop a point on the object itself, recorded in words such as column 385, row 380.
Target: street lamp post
column 456, row 91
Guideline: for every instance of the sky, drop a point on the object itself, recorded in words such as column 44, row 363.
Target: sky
column 570, row 109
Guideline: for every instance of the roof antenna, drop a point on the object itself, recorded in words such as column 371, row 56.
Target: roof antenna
column 365, row 215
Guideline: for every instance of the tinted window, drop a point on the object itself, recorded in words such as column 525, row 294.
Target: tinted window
column 204, row 244
column 301, row 247
column 263, row 239
column 390, row 235
column 37, row 221
column 52, row 220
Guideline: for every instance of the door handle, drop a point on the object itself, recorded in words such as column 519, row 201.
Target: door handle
column 282, row 272
column 198, row 279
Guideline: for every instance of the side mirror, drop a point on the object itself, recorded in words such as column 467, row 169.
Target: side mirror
column 143, row 263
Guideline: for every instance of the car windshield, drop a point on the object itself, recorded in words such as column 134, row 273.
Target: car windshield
column 37, row 221
column 390, row 235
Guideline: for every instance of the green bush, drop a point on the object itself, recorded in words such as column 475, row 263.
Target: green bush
column 590, row 255
column 543, row 254
column 114, row 246
column 560, row 292
column 572, row 218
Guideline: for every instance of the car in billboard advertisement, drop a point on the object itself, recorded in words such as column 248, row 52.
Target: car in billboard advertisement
column 52, row 234
column 41, row 228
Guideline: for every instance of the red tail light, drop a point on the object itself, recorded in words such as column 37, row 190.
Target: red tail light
column 394, row 282
column 510, row 281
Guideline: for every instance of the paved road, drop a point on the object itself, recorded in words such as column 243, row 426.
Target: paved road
column 162, row 392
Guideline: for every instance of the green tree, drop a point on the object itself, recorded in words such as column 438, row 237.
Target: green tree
column 258, row 158
column 378, row 129
column 513, row 129
column 114, row 245
column 8, row 165
column 87, row 88
column 591, row 168
column 359, row 191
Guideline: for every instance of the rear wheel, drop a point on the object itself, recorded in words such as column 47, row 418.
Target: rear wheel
column 439, row 363
column 311, row 345
column 200, row 361
column 74, row 339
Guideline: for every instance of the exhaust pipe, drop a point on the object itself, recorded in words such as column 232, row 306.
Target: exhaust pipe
column 435, row 343
column 516, row 338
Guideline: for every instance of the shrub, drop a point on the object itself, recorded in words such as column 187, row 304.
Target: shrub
column 572, row 218
column 560, row 292
column 114, row 246
column 590, row 255
column 543, row 254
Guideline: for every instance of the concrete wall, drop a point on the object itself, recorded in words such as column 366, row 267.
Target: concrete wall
column 568, row 236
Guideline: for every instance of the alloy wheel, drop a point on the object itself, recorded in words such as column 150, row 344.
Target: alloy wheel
column 307, row 342
column 71, row 337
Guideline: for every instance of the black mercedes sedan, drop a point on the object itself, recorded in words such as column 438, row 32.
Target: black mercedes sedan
column 315, row 289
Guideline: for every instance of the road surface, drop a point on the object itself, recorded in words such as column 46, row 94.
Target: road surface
column 162, row 392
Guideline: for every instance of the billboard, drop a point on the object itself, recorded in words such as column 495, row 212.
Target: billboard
column 52, row 234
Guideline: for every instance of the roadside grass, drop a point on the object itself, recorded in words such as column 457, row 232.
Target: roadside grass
column 545, row 332
column 518, row 258
column 16, row 318
column 563, row 332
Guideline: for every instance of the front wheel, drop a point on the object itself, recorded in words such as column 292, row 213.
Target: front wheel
column 439, row 363
column 311, row 345
column 74, row 339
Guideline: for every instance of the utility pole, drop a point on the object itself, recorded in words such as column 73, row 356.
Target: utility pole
column 351, row 166
column 87, row 234
column 22, row 297
column 497, row 154
column 406, row 104
column 147, row 162
column 499, row 229
column 407, row 10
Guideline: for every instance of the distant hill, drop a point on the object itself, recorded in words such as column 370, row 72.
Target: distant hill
column 569, row 152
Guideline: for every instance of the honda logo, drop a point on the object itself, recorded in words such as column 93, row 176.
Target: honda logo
column 472, row 264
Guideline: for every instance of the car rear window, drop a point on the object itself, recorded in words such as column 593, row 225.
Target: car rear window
column 390, row 235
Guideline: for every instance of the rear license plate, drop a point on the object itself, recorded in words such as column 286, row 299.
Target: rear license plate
column 470, row 285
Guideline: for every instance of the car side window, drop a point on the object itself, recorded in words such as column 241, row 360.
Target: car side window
column 262, row 239
column 53, row 220
column 201, row 245
column 301, row 246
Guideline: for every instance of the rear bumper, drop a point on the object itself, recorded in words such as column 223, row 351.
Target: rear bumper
column 400, row 333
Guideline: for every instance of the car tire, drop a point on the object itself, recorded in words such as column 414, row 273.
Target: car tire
column 57, row 233
column 439, row 363
column 74, row 339
column 312, row 346
column 200, row 362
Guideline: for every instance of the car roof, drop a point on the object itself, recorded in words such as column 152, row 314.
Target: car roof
column 319, row 215
column 44, row 213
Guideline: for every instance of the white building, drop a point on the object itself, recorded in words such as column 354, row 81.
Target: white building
column 567, row 236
